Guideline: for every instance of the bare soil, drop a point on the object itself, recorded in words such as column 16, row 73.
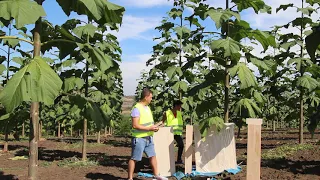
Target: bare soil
column 112, row 156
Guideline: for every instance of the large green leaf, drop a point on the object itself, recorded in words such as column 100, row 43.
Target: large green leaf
column 36, row 82
column 171, row 71
column 307, row 10
column 265, row 65
column 284, row 7
column 206, row 124
column 308, row 82
column 13, row 43
column 264, row 38
column 182, row 30
column 87, row 30
column 247, row 106
column 313, row 42
column 180, row 85
column 97, row 57
column 4, row 117
column 18, row 60
column 257, row 5
column 300, row 62
column 302, row 22
column 229, row 45
column 312, row 2
column 2, row 68
column 23, row 11
column 245, row 75
column 219, row 16
column 72, row 82
column 89, row 110
column 102, row 11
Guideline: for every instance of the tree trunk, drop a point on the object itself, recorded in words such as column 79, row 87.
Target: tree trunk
column 239, row 131
column 273, row 125
column 226, row 81
column 6, row 144
column 301, row 89
column 98, row 137
column 79, row 133
column 301, row 117
column 84, row 140
column 105, row 131
column 34, row 111
column 59, row 130
column 23, row 130
column 33, row 142
column 40, row 130
column 71, row 132
column 267, row 124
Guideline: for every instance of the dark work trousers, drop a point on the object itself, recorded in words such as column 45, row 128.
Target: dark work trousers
column 180, row 144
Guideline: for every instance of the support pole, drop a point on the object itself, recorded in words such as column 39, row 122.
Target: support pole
column 254, row 149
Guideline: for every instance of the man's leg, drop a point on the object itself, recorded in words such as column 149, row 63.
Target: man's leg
column 180, row 144
column 131, row 166
column 151, row 154
column 138, row 145
column 154, row 165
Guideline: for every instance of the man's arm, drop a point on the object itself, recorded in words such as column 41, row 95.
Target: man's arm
column 164, row 118
column 136, row 125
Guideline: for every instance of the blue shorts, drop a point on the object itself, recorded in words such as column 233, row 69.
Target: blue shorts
column 140, row 145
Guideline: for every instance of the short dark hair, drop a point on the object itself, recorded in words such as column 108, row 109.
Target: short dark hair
column 145, row 92
column 177, row 102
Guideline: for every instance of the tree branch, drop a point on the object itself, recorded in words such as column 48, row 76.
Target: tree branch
column 15, row 37
column 58, row 40
column 4, row 50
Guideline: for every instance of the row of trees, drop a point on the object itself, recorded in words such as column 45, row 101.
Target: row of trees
column 209, row 68
column 59, row 74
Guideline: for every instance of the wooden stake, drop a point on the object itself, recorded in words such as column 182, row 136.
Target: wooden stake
column 188, row 150
column 254, row 149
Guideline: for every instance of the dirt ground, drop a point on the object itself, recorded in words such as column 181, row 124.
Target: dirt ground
column 58, row 159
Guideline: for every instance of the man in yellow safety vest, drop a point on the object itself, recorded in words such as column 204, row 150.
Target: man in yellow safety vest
column 142, row 134
column 173, row 118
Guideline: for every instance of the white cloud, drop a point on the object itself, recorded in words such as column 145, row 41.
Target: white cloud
column 135, row 27
column 143, row 3
column 131, row 68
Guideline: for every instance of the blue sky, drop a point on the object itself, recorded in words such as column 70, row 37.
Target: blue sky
column 142, row 16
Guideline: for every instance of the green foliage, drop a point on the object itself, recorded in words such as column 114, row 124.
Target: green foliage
column 124, row 126
column 285, row 151
column 22, row 11
column 229, row 45
column 206, row 124
column 313, row 42
column 36, row 82
column 101, row 11
column 75, row 162
column 257, row 5
column 245, row 75
column 308, row 82
column 219, row 16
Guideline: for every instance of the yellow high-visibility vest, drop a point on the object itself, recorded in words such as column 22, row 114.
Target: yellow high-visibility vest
column 175, row 122
column 146, row 119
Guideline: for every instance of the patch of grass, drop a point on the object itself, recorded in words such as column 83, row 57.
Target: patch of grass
column 75, row 162
column 19, row 158
column 285, row 150
column 14, row 168
column 46, row 164
column 79, row 145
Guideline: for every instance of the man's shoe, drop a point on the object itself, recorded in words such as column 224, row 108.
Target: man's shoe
column 161, row 178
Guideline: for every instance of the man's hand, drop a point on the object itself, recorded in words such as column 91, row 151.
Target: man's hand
column 154, row 128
